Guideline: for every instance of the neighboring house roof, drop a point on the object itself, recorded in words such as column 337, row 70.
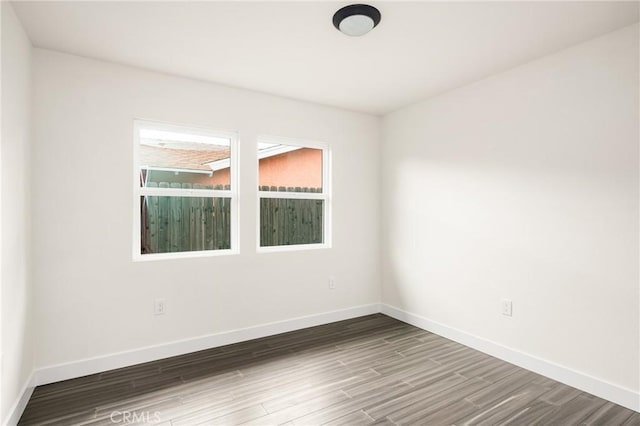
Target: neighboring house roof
column 200, row 160
column 156, row 157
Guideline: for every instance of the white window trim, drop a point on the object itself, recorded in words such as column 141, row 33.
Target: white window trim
column 138, row 191
column 325, row 195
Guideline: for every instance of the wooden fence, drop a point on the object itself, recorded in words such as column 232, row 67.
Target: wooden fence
column 286, row 221
column 177, row 224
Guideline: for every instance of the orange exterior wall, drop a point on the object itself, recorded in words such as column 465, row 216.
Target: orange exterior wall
column 302, row 167
column 203, row 179
column 221, row 177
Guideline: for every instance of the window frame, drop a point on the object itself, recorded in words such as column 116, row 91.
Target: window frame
column 139, row 191
column 325, row 195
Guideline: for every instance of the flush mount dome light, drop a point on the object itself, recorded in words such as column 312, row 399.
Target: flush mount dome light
column 356, row 19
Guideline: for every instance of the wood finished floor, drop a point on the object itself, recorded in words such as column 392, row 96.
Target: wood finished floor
column 369, row 370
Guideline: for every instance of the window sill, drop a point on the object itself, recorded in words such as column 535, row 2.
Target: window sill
column 296, row 247
column 183, row 255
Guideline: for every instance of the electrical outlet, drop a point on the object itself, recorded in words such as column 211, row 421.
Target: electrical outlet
column 332, row 283
column 159, row 307
column 507, row 307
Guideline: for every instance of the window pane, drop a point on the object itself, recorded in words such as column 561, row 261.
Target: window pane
column 182, row 224
column 183, row 158
column 295, row 168
column 290, row 222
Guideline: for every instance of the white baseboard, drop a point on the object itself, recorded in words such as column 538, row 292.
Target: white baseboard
column 56, row 373
column 609, row 391
column 23, row 398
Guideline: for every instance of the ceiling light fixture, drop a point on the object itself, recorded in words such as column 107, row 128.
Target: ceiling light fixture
column 356, row 19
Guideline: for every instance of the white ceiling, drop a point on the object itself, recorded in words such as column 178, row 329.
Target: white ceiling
column 292, row 49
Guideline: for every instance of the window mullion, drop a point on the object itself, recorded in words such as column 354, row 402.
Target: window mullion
column 175, row 192
column 292, row 195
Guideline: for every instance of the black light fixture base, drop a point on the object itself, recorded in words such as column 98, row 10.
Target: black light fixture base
column 356, row 9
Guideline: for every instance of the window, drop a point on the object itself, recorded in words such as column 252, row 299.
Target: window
column 185, row 191
column 294, row 195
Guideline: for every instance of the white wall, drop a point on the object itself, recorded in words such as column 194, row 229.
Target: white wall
column 525, row 186
column 17, row 324
column 92, row 299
